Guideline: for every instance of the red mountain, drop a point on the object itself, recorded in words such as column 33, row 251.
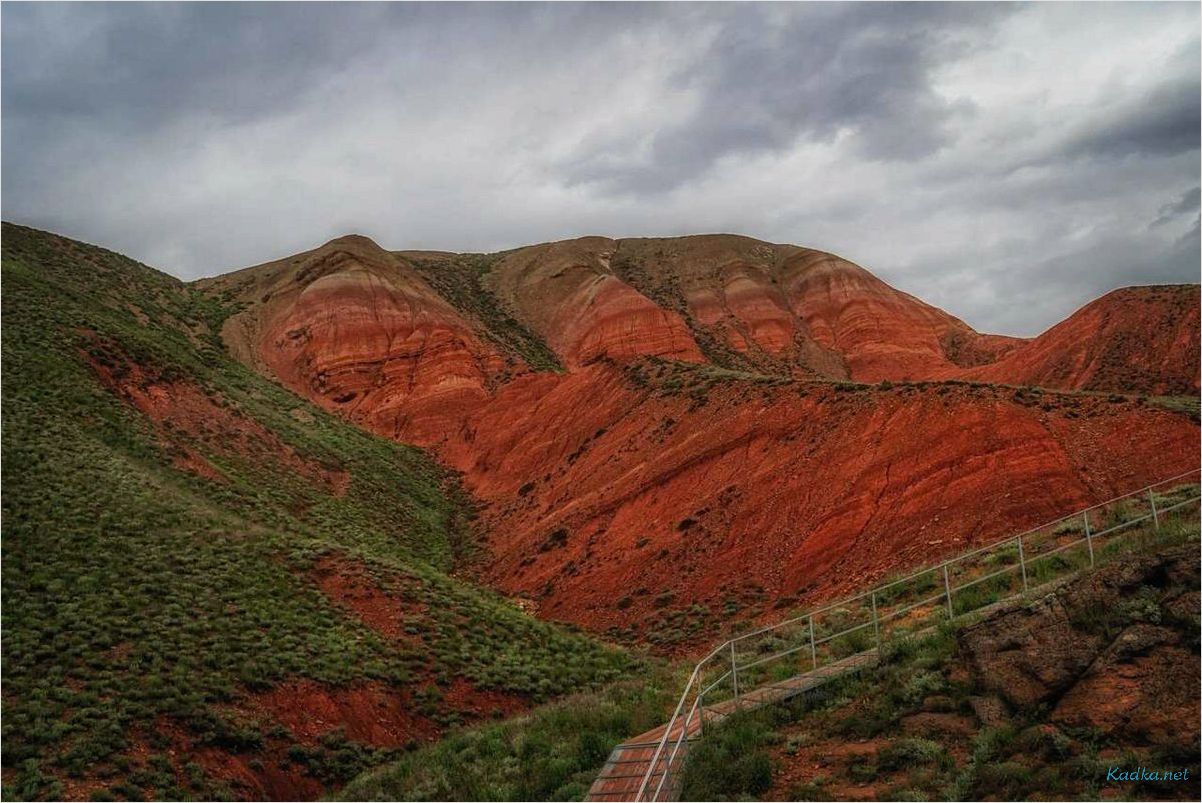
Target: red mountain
column 655, row 424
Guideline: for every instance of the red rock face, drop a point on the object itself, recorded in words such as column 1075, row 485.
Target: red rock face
column 802, row 312
column 724, row 283
column 354, row 328
column 622, row 488
column 567, row 293
column 606, row 318
column 757, row 314
column 881, row 332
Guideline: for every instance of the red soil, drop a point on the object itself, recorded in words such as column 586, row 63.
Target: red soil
column 880, row 332
column 263, row 775
column 464, row 698
column 268, row 777
column 349, row 586
column 827, row 762
column 1138, row 339
column 356, row 329
column 771, row 492
column 370, row 713
column 374, row 714
column 567, row 293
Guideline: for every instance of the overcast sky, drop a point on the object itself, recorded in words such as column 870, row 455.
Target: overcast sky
column 1005, row 162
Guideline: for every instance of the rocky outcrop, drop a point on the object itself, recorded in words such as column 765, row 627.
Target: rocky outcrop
column 1116, row 651
column 1088, row 692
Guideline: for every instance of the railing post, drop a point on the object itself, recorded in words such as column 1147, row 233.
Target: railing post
column 1155, row 516
column 1088, row 536
column 813, row 646
column 734, row 674
column 1022, row 561
column 947, row 588
column 876, row 625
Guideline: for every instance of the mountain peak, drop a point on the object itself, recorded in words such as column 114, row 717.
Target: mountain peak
column 353, row 241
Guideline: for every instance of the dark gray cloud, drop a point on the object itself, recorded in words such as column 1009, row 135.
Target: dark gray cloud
column 770, row 78
column 1165, row 121
column 1007, row 162
column 1187, row 204
column 139, row 65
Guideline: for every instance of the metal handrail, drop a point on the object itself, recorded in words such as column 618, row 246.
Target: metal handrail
column 698, row 708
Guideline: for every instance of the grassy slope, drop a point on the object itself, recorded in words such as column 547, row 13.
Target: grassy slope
column 859, row 731
column 136, row 592
column 458, row 278
column 554, row 753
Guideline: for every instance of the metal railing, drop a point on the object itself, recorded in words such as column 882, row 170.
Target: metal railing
column 858, row 625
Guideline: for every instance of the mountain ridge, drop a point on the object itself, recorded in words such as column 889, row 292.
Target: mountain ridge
column 751, row 305
column 212, row 588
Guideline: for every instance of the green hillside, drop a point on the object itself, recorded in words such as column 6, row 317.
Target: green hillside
column 183, row 538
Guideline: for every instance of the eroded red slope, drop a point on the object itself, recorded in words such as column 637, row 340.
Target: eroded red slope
column 568, row 293
column 599, row 492
column 882, row 332
column 802, row 312
column 354, row 328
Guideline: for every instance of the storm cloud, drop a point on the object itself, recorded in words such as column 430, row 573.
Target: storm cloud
column 1007, row 162
column 764, row 82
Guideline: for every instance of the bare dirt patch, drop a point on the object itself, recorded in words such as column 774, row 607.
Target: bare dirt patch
column 827, row 763
column 185, row 416
column 371, row 713
column 350, row 586
column 464, row 698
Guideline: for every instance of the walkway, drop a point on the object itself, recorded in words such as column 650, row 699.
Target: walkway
column 629, row 762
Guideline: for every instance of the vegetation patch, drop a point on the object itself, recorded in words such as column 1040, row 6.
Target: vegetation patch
column 554, row 753
column 459, row 278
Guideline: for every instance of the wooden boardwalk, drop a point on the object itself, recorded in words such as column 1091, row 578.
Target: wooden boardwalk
column 629, row 762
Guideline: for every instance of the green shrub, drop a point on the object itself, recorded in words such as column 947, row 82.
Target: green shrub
column 731, row 763
column 907, row 753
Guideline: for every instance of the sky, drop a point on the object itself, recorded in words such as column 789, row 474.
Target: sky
column 1007, row 163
